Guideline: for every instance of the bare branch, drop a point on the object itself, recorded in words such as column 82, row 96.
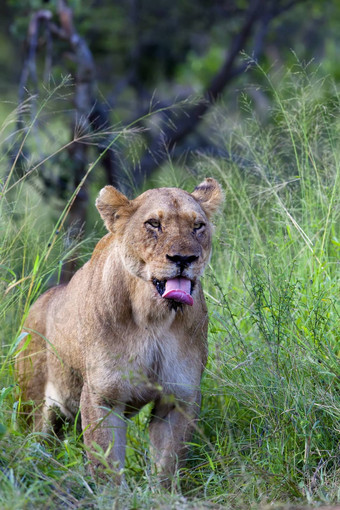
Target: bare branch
column 169, row 136
column 257, row 19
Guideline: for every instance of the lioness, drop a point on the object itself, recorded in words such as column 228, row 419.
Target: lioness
column 129, row 328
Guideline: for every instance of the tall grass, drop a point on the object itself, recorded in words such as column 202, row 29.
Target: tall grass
column 274, row 294
column 269, row 428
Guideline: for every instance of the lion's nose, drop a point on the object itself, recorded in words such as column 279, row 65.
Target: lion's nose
column 182, row 261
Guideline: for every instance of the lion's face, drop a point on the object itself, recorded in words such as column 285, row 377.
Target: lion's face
column 168, row 237
column 165, row 235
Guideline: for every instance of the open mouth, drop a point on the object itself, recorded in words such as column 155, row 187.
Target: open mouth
column 178, row 289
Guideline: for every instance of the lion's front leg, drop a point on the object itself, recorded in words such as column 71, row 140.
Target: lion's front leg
column 105, row 427
column 171, row 428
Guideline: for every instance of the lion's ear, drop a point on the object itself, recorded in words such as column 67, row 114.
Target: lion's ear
column 108, row 203
column 209, row 194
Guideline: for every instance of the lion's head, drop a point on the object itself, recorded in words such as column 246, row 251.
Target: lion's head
column 164, row 234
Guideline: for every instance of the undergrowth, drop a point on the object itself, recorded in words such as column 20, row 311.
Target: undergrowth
column 269, row 427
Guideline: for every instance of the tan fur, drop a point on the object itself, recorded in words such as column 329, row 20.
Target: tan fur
column 107, row 342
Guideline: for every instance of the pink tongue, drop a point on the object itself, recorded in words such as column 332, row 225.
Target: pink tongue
column 179, row 290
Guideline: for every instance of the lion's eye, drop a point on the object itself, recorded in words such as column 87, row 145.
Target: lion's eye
column 153, row 223
column 198, row 225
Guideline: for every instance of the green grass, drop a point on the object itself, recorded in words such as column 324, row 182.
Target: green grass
column 269, row 430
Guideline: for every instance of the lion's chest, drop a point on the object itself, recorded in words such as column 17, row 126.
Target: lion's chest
column 161, row 366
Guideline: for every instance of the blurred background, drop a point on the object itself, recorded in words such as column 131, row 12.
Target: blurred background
column 137, row 82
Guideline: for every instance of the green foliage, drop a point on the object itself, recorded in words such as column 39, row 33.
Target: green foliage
column 269, row 427
column 150, row 44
